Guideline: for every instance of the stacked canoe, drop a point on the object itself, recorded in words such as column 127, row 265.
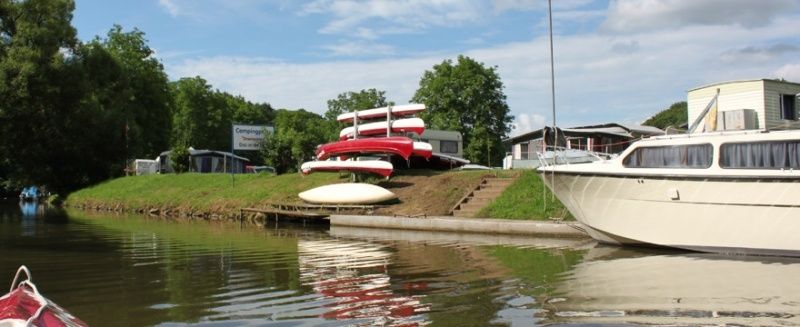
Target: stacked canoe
column 374, row 132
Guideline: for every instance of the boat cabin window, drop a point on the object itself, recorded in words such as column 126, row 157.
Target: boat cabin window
column 760, row 155
column 677, row 156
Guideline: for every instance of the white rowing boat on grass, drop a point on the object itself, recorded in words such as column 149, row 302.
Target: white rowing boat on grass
column 347, row 193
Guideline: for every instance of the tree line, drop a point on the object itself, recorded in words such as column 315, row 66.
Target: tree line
column 74, row 113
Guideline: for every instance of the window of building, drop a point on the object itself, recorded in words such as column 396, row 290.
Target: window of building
column 523, row 151
column 678, row 156
column 760, row 155
column 788, row 111
column 448, row 146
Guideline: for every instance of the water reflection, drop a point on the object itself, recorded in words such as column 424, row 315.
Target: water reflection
column 354, row 276
column 613, row 285
column 135, row 271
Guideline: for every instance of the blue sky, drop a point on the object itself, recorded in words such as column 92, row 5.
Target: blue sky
column 616, row 61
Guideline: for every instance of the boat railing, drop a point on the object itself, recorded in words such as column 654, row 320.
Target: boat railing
column 560, row 157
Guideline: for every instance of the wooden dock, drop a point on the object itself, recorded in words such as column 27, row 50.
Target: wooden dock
column 304, row 212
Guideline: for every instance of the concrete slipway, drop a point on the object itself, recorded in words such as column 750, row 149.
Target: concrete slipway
column 464, row 225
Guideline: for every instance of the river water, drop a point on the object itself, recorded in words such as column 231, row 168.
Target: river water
column 112, row 270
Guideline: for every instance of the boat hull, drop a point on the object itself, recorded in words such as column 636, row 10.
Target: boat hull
column 397, row 111
column 401, row 146
column 422, row 149
column 347, row 193
column 729, row 215
column 407, row 125
column 378, row 167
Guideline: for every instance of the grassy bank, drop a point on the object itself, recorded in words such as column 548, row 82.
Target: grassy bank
column 420, row 192
column 527, row 198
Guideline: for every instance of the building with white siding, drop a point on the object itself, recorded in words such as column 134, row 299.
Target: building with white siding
column 749, row 104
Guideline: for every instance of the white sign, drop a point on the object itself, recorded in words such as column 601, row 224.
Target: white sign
column 249, row 137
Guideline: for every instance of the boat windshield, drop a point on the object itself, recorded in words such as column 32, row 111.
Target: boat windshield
column 696, row 156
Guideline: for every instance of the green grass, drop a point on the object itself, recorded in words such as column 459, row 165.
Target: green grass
column 200, row 191
column 420, row 192
column 528, row 198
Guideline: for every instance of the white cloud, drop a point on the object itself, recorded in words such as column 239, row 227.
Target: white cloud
column 360, row 49
column 525, row 122
column 789, row 72
column 599, row 77
column 507, row 5
column 639, row 15
column 307, row 86
column 170, row 6
column 759, row 53
column 383, row 15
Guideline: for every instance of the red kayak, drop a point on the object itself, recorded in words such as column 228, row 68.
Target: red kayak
column 397, row 111
column 406, row 125
column 397, row 145
column 24, row 306
column 422, row 149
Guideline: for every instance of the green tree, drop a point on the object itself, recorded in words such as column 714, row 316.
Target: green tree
column 143, row 92
column 297, row 134
column 676, row 115
column 349, row 102
column 353, row 101
column 201, row 118
column 467, row 97
column 41, row 128
column 179, row 158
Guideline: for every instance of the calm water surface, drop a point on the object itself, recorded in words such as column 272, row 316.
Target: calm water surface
column 138, row 271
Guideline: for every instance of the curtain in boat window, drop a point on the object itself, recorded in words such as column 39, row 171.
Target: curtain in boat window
column 679, row 156
column 765, row 155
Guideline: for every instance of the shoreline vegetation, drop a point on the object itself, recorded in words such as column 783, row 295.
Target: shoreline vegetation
column 219, row 196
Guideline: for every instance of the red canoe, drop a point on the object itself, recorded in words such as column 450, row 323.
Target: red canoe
column 397, row 111
column 422, row 149
column 405, row 125
column 397, row 145
column 24, row 306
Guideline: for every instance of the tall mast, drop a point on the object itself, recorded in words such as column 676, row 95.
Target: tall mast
column 552, row 72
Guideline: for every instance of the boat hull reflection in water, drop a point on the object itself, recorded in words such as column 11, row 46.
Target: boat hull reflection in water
column 617, row 286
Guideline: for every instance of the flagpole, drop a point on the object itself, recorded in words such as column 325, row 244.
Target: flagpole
column 552, row 90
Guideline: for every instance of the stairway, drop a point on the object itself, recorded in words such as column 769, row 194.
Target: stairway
column 486, row 191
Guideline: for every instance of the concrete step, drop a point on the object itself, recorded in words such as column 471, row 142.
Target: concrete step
column 487, row 193
column 473, row 206
column 465, row 213
column 505, row 181
column 495, row 186
column 477, row 200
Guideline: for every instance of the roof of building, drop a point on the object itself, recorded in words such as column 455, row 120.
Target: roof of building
column 441, row 135
column 742, row 81
column 610, row 129
column 194, row 152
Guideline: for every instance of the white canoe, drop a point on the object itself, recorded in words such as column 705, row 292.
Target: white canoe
column 347, row 193
column 405, row 125
column 383, row 168
column 397, row 111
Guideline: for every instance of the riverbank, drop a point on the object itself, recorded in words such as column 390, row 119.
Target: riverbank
column 420, row 193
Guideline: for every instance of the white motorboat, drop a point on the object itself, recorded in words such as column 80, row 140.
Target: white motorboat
column 728, row 192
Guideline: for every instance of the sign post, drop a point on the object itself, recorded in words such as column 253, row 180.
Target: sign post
column 248, row 138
